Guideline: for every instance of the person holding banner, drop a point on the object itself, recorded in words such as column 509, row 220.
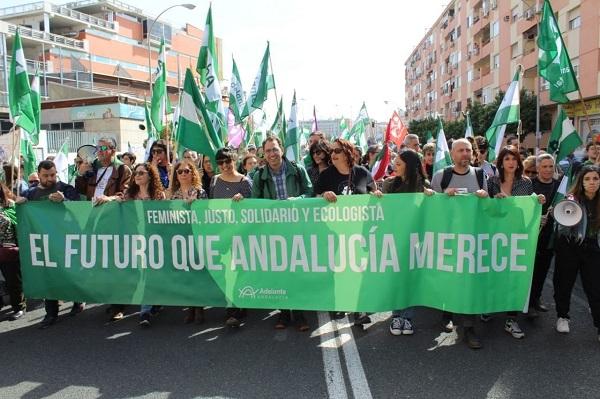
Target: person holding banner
column 511, row 182
column 230, row 184
column 158, row 157
column 9, row 253
column 462, row 178
column 56, row 191
column 186, row 185
column 344, row 177
column 409, row 178
column 578, row 250
column 281, row 179
column 145, row 185
column 320, row 155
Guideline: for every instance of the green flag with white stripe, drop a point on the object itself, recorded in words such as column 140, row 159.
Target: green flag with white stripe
column 207, row 58
column 236, row 94
column 263, row 82
column 292, row 139
column 19, row 91
column 159, row 91
column 442, row 157
column 508, row 112
column 564, row 138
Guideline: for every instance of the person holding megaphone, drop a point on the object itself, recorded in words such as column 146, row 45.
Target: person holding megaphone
column 577, row 250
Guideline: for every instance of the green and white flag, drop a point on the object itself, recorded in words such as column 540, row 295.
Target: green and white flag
column 554, row 63
column 292, row 140
column 19, row 91
column 207, row 58
column 279, row 126
column 564, row 138
column 344, row 131
column 159, row 91
column 469, row 127
column 262, row 83
column 152, row 133
column 442, row 157
column 236, row 94
column 61, row 161
column 209, row 77
column 195, row 129
column 429, row 137
column 36, row 103
column 29, row 158
column 358, row 132
column 508, row 112
column 563, row 187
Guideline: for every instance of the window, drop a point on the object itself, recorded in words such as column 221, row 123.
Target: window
column 575, row 23
column 496, row 61
column 575, row 65
column 470, row 75
column 515, row 14
column 574, row 18
column 495, row 29
column 514, row 50
column 78, row 125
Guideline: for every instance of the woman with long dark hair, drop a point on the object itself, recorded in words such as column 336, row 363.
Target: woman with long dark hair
column 320, row 159
column 409, row 178
column 9, row 253
column 577, row 250
column 510, row 182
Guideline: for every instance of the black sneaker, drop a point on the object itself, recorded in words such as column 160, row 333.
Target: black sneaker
column 76, row 309
column 48, row 321
column 361, row 319
column 145, row 320
column 16, row 315
column 541, row 307
column 472, row 339
column 233, row 322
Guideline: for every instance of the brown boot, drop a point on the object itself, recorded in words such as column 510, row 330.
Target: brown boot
column 190, row 316
column 199, row 315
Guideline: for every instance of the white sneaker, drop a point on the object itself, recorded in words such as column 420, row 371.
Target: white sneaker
column 562, row 325
column 396, row 326
column 512, row 327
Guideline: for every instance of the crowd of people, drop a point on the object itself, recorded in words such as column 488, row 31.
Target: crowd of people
column 330, row 169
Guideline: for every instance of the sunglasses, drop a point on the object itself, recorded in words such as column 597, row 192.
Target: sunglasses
column 531, row 172
column 158, row 151
column 182, row 171
column 223, row 161
column 140, row 172
column 317, row 152
column 34, row 181
column 103, row 148
column 338, row 150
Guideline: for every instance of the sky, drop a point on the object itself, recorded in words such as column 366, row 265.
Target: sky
column 335, row 54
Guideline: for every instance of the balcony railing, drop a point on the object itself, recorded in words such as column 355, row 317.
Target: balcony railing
column 114, row 3
column 48, row 37
column 22, row 9
column 67, row 12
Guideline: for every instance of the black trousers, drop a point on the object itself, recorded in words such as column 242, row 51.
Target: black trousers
column 51, row 306
column 14, row 284
column 543, row 259
column 571, row 259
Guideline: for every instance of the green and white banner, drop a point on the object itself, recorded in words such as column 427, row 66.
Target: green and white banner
column 363, row 253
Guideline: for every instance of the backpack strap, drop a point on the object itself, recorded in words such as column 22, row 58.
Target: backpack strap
column 446, row 177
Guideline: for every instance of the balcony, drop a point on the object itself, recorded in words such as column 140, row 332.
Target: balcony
column 529, row 59
column 529, row 20
column 48, row 38
column 59, row 13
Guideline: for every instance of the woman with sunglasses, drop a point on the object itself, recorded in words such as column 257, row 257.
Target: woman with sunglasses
column 158, row 157
column 510, row 182
column 577, row 250
column 230, row 184
column 145, row 185
column 344, row 177
column 320, row 159
column 186, row 185
column 408, row 178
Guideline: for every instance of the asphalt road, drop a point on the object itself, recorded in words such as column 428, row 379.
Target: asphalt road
column 85, row 357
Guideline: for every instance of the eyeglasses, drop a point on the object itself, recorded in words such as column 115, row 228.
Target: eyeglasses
column 223, row 161
column 140, row 172
column 530, row 172
column 103, row 148
column 34, row 181
column 317, row 152
column 182, row 171
column 338, row 150
column 158, row 151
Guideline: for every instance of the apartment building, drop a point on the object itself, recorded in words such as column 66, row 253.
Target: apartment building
column 94, row 63
column 473, row 49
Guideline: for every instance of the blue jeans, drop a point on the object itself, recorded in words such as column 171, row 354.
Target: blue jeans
column 408, row 313
column 145, row 309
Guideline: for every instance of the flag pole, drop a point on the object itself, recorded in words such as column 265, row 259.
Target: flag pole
column 538, row 133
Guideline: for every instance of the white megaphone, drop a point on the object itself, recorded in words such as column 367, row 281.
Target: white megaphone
column 567, row 213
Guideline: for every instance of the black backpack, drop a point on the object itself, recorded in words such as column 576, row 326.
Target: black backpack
column 447, row 176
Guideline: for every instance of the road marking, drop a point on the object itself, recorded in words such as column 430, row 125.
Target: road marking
column 334, row 376
column 356, row 373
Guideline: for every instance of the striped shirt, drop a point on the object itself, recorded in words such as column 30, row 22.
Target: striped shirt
column 279, row 180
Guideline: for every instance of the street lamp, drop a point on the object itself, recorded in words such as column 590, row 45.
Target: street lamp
column 189, row 7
